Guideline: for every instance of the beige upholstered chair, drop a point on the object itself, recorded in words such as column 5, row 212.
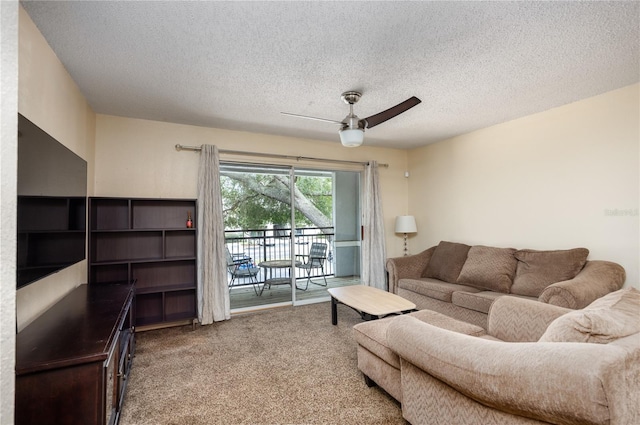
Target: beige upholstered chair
column 538, row 363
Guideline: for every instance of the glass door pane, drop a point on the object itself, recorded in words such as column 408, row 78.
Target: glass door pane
column 314, row 233
column 347, row 225
column 327, row 232
column 257, row 210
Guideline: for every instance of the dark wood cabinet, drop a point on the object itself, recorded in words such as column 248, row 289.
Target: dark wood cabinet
column 73, row 362
column 147, row 241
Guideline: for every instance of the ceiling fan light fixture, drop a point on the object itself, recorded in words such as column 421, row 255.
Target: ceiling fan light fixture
column 352, row 127
column 351, row 138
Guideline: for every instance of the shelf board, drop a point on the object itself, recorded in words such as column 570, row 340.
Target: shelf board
column 185, row 258
column 148, row 320
column 143, row 229
column 179, row 316
column 166, row 288
column 52, row 231
column 142, row 261
column 44, row 266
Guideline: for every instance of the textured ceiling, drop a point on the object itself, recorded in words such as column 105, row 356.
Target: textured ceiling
column 237, row 65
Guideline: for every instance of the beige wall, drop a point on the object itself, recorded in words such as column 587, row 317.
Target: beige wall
column 50, row 99
column 563, row 178
column 8, row 195
column 137, row 158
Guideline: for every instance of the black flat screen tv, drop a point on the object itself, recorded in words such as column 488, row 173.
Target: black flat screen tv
column 52, row 205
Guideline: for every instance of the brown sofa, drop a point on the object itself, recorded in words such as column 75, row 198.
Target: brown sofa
column 462, row 281
column 536, row 363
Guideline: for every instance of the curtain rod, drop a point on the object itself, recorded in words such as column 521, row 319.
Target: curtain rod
column 180, row 147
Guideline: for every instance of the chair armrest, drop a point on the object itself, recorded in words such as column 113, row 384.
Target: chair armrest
column 241, row 261
column 565, row 383
column 595, row 280
column 314, row 257
column 411, row 266
column 516, row 319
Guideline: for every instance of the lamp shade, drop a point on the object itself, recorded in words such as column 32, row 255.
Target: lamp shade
column 351, row 138
column 406, row 224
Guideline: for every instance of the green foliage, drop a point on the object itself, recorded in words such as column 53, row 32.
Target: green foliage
column 246, row 208
column 319, row 191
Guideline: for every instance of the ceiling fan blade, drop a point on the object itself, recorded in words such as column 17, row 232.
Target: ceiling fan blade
column 312, row 118
column 383, row 116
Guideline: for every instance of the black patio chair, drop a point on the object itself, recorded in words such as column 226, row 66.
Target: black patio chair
column 241, row 268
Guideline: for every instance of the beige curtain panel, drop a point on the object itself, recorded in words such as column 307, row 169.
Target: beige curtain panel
column 213, row 293
column 373, row 244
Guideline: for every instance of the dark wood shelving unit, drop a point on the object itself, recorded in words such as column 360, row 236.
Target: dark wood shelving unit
column 146, row 241
column 51, row 235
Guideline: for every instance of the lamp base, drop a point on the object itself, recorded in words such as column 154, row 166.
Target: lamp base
column 406, row 251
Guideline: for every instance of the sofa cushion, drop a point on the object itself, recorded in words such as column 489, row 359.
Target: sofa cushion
column 372, row 335
column 489, row 268
column 449, row 323
column 538, row 269
column 447, row 261
column 434, row 288
column 480, row 301
column 614, row 316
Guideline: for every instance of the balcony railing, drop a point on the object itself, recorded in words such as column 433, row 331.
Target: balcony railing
column 276, row 244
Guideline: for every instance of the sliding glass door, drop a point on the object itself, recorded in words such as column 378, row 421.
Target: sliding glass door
column 290, row 233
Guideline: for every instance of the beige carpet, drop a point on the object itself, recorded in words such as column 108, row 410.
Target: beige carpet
column 283, row 366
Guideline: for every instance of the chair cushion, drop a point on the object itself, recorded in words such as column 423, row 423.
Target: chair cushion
column 250, row 272
column 489, row 268
column 447, row 261
column 538, row 269
column 434, row 288
column 614, row 316
column 372, row 335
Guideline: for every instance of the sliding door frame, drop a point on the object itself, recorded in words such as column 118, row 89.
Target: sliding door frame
column 292, row 170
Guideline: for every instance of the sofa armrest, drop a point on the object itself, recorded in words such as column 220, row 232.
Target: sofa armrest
column 595, row 280
column 516, row 319
column 411, row 267
column 565, row 383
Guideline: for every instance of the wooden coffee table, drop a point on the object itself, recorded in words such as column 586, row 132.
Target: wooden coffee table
column 371, row 303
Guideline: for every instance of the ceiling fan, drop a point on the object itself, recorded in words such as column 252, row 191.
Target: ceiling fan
column 352, row 128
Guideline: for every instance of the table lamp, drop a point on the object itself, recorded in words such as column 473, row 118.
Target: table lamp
column 406, row 224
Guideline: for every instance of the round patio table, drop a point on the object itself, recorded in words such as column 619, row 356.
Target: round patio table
column 276, row 264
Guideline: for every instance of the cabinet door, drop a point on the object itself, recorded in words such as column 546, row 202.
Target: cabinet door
column 72, row 396
column 111, row 384
column 124, row 367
